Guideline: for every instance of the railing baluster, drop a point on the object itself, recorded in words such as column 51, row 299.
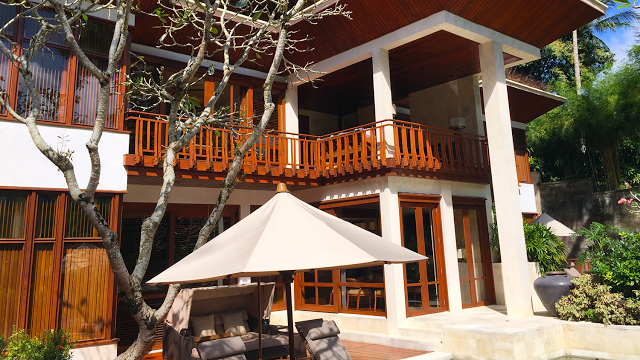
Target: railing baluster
column 383, row 146
column 404, row 146
column 415, row 146
column 421, row 146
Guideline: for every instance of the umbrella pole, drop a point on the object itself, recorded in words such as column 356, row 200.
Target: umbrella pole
column 287, row 279
column 260, row 320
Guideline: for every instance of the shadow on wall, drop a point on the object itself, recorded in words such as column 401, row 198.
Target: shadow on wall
column 576, row 204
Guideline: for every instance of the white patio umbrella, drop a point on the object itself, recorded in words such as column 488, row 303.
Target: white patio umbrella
column 557, row 228
column 285, row 236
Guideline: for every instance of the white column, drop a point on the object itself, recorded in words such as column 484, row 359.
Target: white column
column 291, row 110
column 478, row 105
column 291, row 124
column 382, row 100
column 450, row 247
column 245, row 209
column 504, row 178
column 393, row 274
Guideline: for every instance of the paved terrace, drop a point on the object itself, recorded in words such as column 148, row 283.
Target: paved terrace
column 361, row 351
column 487, row 333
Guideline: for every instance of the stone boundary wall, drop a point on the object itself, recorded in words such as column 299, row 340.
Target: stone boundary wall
column 576, row 204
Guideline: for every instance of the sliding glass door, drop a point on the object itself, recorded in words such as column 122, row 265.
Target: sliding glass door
column 425, row 284
column 474, row 255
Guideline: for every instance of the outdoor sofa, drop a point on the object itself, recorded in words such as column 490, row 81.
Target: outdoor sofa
column 226, row 319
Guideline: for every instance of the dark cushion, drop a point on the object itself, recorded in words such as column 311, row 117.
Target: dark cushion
column 328, row 329
column 221, row 348
column 329, row 348
column 251, row 340
column 234, row 357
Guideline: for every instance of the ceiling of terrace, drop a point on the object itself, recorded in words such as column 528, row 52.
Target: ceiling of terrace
column 536, row 22
column 429, row 61
column 421, row 64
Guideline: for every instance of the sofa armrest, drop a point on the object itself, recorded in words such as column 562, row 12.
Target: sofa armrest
column 175, row 346
column 200, row 339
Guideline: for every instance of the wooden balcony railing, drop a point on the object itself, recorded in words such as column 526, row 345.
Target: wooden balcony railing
column 386, row 144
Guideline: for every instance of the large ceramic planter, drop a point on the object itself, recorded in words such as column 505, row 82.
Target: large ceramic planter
column 551, row 287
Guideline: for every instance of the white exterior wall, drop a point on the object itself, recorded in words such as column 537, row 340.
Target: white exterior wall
column 25, row 166
column 199, row 195
column 434, row 106
column 98, row 352
column 389, row 188
column 528, row 198
column 320, row 123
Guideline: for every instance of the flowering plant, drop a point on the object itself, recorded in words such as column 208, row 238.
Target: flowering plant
column 632, row 202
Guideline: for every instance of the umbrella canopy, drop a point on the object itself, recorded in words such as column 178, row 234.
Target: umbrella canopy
column 285, row 234
column 557, row 228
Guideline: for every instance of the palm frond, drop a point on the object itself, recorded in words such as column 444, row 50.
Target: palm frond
column 621, row 20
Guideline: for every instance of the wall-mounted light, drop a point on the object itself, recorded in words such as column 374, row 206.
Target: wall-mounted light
column 457, row 123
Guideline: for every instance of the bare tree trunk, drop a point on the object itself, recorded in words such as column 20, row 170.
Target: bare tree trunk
column 182, row 125
column 576, row 62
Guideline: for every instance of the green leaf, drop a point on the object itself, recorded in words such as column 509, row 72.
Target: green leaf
column 199, row 4
column 242, row 3
column 258, row 56
column 257, row 15
column 214, row 31
column 85, row 17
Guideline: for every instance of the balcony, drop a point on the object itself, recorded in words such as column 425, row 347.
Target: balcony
column 389, row 147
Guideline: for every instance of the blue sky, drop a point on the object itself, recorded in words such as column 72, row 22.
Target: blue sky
column 620, row 41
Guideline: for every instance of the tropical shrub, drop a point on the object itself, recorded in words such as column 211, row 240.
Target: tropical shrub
column 49, row 345
column 614, row 256
column 543, row 247
column 590, row 301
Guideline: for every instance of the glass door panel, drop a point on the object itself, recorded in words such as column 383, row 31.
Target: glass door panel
column 474, row 258
column 317, row 289
column 424, row 287
column 354, row 290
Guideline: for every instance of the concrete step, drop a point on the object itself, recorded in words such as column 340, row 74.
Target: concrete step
column 422, row 333
column 398, row 341
column 419, row 323
column 435, row 355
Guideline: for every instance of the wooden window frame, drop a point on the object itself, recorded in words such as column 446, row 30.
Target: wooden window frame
column 251, row 83
column 300, row 283
column 329, row 206
column 59, row 241
column 432, row 202
column 68, row 82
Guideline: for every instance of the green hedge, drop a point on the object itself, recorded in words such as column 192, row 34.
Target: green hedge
column 49, row 345
column 614, row 256
column 590, row 301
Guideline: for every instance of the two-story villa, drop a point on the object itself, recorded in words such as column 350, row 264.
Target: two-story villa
column 413, row 133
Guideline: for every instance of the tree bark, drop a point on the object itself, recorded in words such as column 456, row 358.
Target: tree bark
column 180, row 132
column 576, row 62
